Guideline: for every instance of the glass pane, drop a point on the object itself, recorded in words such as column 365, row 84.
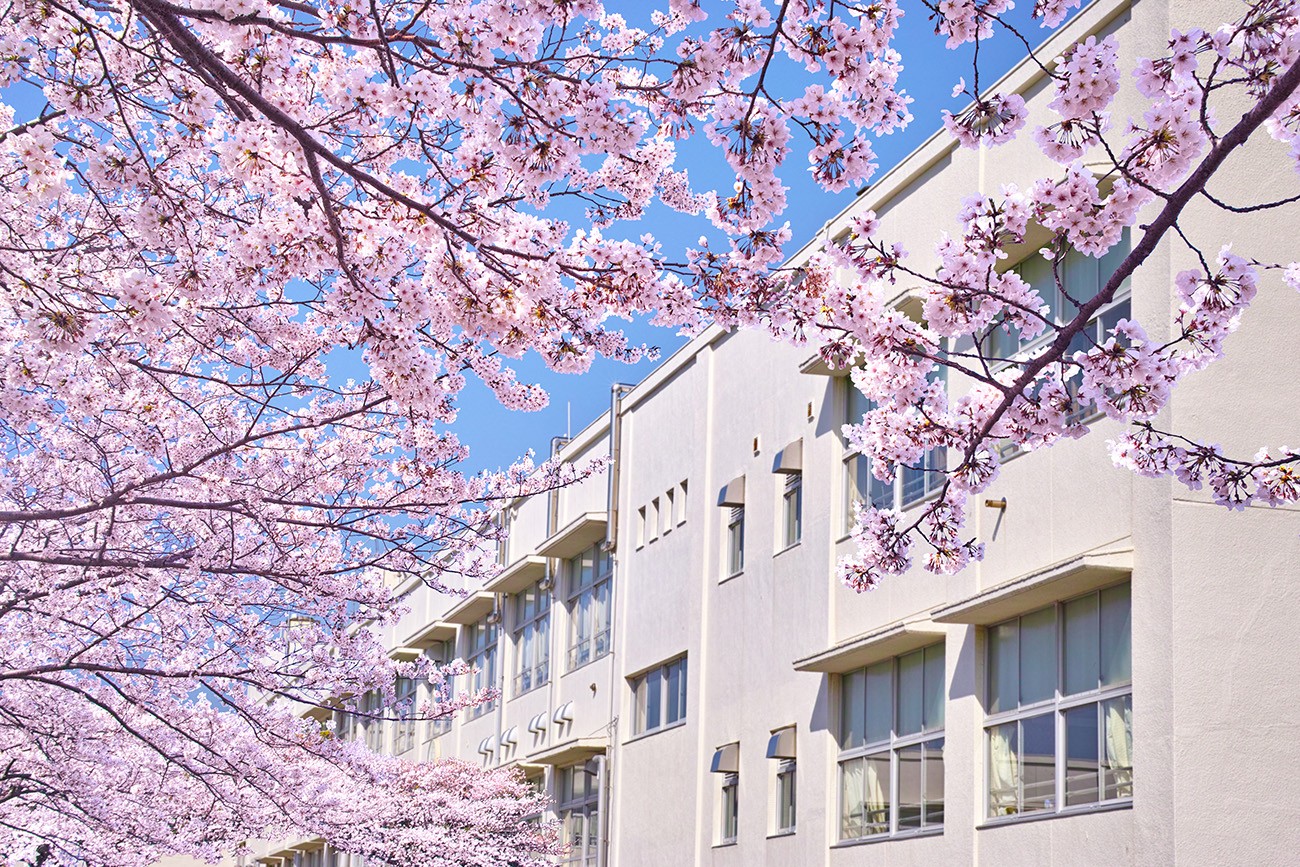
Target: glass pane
column 934, row 687
column 877, row 794
column 1004, row 666
column 1117, row 773
column 1038, row 655
column 1081, row 767
column 909, row 788
column 853, row 703
column 1080, row 277
column 880, row 701
column 786, row 799
column 853, row 804
column 653, row 699
column 911, row 668
column 1113, row 258
column 933, row 791
column 1081, row 655
column 1038, row 763
column 676, row 691
column 1037, row 272
column 1116, row 635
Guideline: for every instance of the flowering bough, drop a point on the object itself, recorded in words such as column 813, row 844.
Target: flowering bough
column 203, row 207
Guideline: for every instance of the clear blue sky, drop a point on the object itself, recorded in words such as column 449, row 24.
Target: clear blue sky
column 496, row 436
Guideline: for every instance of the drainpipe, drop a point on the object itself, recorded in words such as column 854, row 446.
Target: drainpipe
column 616, row 392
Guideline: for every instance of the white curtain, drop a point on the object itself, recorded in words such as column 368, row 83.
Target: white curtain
column 1004, row 771
column 877, row 795
column 1119, row 748
column 852, row 806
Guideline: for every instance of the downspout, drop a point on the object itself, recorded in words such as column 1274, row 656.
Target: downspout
column 616, row 392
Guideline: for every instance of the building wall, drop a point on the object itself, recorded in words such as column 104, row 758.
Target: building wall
column 1216, row 731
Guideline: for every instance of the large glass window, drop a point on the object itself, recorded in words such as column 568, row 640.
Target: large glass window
column 482, row 655
column 579, row 806
column 659, row 696
column 532, row 638
column 590, row 577
column 1059, row 731
column 891, row 746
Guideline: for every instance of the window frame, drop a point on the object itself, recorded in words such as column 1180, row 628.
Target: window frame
column 587, row 806
column 583, row 650
column 488, row 650
column 787, row 782
column 405, row 695
column 659, row 679
column 729, row 810
column 791, row 501
column 734, row 563
column 1058, row 704
column 531, row 631
column 891, row 747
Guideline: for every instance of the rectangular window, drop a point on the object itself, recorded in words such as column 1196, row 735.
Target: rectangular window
column 372, row 720
column 590, row 577
column 891, row 746
column 669, row 512
column 578, row 806
column 730, row 812
column 785, row 798
column 1059, row 698
column 532, row 638
column 640, row 526
column 652, row 520
column 736, row 541
column 482, row 655
column 792, row 510
column 660, row 696
column 681, row 503
column 404, row 710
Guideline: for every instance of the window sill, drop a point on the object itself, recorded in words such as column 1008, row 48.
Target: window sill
column 724, row 579
column 1042, row 815
column 789, row 547
column 654, row 731
column 726, row 844
column 885, row 838
column 778, row 835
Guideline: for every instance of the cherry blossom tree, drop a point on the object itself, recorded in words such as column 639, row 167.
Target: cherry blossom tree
column 209, row 210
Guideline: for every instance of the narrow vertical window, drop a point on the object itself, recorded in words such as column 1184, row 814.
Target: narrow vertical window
column 532, row 638
column 590, row 577
column 736, row 541
column 792, row 510
column 730, row 809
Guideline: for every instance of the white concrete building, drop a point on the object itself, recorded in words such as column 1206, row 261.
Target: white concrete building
column 1113, row 684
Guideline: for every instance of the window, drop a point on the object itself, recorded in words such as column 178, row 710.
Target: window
column 590, row 577
column 404, row 731
column 532, row 638
column 653, row 519
column 785, row 798
column 792, row 510
column 482, row 655
column 372, row 720
column 1081, row 278
column 736, row 541
column 640, row 526
column 660, row 696
column 680, row 501
column 912, row 483
column 1059, row 730
column 891, row 746
column 440, row 653
column 668, row 512
column 730, row 791
column 579, row 808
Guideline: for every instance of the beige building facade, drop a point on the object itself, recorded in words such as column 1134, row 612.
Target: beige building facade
column 1114, row 684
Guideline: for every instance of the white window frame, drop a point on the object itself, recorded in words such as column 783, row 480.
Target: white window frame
column 590, row 634
column 926, row 739
column 404, row 707
column 1058, row 704
column 791, row 510
column 583, row 808
column 657, row 682
column 729, row 810
column 532, row 637
column 786, row 797
column 482, row 655
column 735, row 537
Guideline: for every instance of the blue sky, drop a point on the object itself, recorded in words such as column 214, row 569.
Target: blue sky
column 496, row 435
